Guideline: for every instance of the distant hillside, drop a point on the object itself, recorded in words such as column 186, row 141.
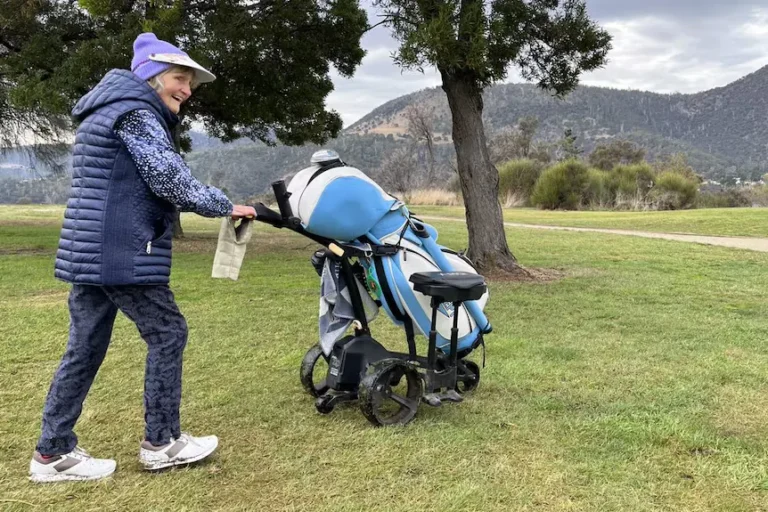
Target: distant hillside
column 249, row 169
column 724, row 132
column 725, row 129
column 16, row 171
column 202, row 142
column 19, row 163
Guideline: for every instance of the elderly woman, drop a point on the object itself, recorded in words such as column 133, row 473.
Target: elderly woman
column 115, row 250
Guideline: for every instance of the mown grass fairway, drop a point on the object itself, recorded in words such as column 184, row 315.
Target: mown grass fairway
column 637, row 382
column 716, row 221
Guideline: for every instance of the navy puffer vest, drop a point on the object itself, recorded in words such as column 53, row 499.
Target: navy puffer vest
column 116, row 231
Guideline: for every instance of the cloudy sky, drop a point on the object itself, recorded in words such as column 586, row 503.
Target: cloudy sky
column 658, row 45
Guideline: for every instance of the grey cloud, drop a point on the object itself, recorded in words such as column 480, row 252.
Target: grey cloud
column 667, row 55
column 678, row 9
column 659, row 45
column 377, row 81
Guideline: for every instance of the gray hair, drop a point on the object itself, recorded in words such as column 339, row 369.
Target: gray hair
column 157, row 84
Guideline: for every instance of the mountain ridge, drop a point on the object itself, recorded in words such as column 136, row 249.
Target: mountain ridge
column 728, row 122
column 724, row 131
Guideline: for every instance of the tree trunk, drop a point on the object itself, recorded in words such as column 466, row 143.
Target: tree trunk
column 178, row 231
column 478, row 177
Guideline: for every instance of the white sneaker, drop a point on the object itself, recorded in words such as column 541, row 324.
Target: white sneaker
column 183, row 450
column 75, row 465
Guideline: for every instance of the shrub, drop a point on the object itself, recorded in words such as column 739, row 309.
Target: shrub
column 729, row 198
column 517, row 179
column 561, row 186
column 673, row 191
column 758, row 195
column 454, row 185
column 607, row 155
column 677, row 163
column 631, row 180
column 598, row 194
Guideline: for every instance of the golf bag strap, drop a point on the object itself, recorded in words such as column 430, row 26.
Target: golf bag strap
column 386, row 292
column 389, row 298
column 410, row 337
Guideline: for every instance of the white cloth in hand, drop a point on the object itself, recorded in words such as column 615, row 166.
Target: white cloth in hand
column 230, row 250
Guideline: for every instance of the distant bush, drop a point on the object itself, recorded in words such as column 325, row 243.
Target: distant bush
column 561, row 186
column 729, row 198
column 678, row 164
column 454, row 185
column 598, row 194
column 758, row 195
column 517, row 178
column 674, row 191
column 607, row 155
column 631, row 180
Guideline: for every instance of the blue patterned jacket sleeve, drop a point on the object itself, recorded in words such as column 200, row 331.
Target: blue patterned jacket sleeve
column 163, row 169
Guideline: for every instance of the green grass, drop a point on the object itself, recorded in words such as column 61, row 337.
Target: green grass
column 715, row 221
column 638, row 382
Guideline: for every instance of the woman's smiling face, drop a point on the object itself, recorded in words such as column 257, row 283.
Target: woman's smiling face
column 177, row 87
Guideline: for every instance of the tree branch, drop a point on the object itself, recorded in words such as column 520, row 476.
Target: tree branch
column 371, row 27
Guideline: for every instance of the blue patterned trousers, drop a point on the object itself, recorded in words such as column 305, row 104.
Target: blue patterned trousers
column 92, row 314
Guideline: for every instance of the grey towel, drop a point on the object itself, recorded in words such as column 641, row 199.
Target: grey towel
column 336, row 313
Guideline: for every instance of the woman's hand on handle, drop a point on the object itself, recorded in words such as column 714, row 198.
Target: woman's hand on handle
column 240, row 211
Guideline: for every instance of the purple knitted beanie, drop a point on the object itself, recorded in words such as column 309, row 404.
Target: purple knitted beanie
column 148, row 44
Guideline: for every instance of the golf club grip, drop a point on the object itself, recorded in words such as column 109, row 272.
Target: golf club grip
column 335, row 249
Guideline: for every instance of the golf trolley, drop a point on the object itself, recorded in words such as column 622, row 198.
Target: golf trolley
column 389, row 386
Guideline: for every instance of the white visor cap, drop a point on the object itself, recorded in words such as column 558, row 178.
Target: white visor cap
column 202, row 75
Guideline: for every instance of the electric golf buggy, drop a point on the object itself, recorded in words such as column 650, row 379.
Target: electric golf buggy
column 376, row 254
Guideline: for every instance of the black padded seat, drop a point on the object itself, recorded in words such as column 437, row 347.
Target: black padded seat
column 449, row 286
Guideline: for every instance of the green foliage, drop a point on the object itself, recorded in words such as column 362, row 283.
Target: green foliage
column 631, row 180
column 273, row 59
column 572, row 184
column 598, row 194
column 677, row 164
column 606, row 156
column 551, row 42
column 567, row 146
column 518, row 177
column 97, row 8
column 232, row 166
column 561, row 186
column 728, row 198
column 518, row 143
column 674, row 191
column 758, row 195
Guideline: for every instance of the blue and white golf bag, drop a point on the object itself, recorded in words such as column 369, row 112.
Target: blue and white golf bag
column 339, row 202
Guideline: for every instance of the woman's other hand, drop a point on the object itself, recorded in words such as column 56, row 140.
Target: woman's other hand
column 239, row 212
